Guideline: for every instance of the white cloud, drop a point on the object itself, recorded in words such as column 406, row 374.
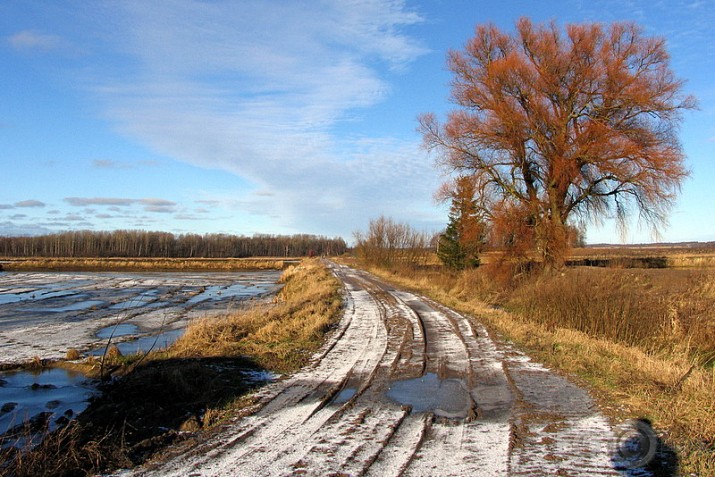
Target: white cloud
column 149, row 204
column 34, row 40
column 259, row 88
column 12, row 229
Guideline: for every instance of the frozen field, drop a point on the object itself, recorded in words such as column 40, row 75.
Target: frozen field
column 43, row 314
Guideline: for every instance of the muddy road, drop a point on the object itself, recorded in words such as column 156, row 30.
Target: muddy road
column 406, row 387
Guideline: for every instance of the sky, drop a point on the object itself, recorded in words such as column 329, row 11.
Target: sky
column 277, row 117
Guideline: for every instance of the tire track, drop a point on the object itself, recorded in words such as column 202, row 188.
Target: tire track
column 407, row 387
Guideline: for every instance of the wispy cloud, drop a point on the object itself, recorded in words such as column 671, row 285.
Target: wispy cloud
column 118, row 165
column 30, row 203
column 157, row 202
column 260, row 91
column 13, row 229
column 84, row 201
column 149, row 204
column 34, row 40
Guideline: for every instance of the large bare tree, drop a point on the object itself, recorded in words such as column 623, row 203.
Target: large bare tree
column 563, row 125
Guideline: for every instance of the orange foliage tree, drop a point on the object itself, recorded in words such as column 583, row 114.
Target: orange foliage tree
column 557, row 126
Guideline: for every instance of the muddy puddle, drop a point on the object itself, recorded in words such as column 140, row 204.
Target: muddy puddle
column 142, row 344
column 46, row 397
column 444, row 397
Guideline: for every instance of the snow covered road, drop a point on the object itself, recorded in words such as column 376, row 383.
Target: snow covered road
column 406, row 387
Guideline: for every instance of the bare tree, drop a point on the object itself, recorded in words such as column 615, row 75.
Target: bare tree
column 387, row 243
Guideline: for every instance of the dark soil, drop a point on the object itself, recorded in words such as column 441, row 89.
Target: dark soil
column 155, row 406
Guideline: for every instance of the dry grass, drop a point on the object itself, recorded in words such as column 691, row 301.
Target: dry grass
column 281, row 335
column 60, row 453
column 143, row 264
column 655, row 310
column 642, row 340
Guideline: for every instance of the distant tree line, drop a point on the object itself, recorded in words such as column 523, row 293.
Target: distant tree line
column 137, row 243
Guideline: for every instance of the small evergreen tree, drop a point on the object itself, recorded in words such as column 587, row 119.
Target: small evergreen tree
column 462, row 241
column 450, row 250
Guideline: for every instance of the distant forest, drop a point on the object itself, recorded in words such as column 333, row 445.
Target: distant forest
column 135, row 244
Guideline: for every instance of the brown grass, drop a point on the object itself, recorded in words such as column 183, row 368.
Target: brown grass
column 281, row 335
column 655, row 310
column 642, row 340
column 143, row 264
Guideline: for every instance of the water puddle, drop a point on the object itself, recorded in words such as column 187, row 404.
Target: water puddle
column 445, row 397
column 34, row 295
column 141, row 300
column 223, row 292
column 344, row 396
column 78, row 306
column 49, row 396
column 259, row 376
column 115, row 331
column 144, row 343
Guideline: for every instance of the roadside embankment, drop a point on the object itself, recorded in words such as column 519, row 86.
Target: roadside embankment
column 173, row 395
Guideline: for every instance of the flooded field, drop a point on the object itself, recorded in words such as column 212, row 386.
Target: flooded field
column 44, row 314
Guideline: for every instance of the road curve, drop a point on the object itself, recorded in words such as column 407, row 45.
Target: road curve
column 407, row 387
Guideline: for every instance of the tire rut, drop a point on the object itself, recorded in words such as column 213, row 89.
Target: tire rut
column 408, row 387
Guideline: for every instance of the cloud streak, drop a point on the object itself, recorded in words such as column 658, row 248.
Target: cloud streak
column 28, row 40
column 261, row 90
column 30, row 203
column 150, row 204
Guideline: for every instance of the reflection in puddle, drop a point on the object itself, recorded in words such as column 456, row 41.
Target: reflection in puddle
column 115, row 331
column 49, row 395
column 144, row 343
column 445, row 397
column 344, row 396
column 78, row 306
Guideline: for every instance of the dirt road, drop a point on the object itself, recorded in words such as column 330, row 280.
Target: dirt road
column 406, row 387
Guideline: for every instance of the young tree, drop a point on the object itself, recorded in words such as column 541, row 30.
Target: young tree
column 387, row 243
column 563, row 125
column 462, row 241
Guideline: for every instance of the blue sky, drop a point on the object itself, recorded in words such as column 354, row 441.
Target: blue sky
column 274, row 117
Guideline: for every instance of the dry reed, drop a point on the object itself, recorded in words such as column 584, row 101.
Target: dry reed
column 280, row 335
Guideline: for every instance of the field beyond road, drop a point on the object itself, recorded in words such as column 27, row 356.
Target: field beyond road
column 143, row 264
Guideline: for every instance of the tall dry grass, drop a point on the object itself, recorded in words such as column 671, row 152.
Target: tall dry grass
column 281, row 335
column 653, row 310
